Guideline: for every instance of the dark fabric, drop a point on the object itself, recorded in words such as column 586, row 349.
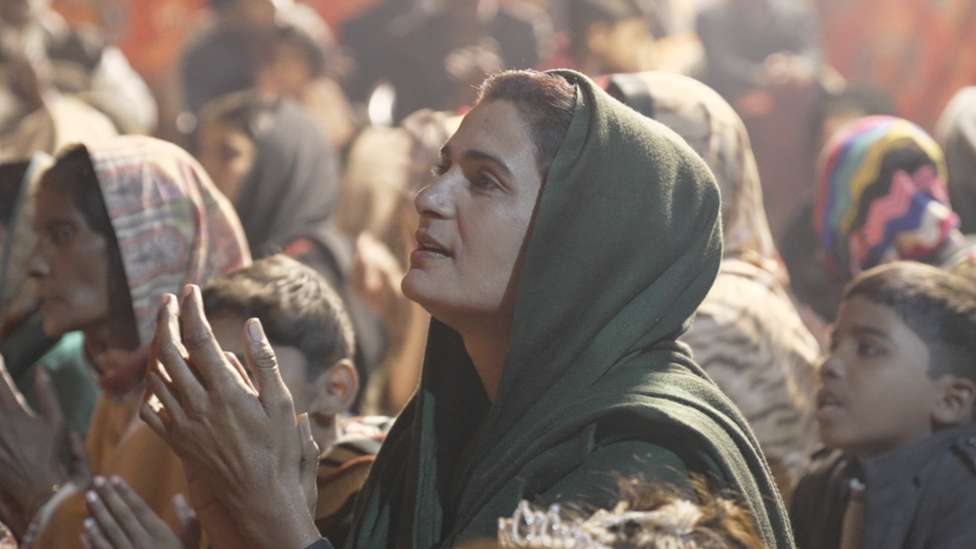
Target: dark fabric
column 738, row 38
column 922, row 496
column 624, row 246
column 956, row 134
column 291, row 189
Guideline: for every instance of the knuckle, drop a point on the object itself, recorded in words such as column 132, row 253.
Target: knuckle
column 169, row 352
column 196, row 337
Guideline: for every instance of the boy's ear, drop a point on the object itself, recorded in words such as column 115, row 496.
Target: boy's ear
column 341, row 387
column 955, row 404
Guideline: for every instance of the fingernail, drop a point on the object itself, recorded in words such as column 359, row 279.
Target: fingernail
column 255, row 331
column 187, row 290
column 99, row 481
column 305, row 428
column 116, row 480
column 91, row 496
column 89, row 523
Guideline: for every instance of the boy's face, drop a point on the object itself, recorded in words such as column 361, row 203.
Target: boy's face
column 876, row 395
column 228, row 329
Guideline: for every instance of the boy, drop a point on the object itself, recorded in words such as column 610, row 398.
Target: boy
column 312, row 336
column 895, row 412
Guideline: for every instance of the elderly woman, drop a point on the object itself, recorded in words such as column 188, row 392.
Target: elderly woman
column 119, row 224
column 747, row 335
column 563, row 247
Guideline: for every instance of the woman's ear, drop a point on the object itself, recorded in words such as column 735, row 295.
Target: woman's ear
column 955, row 403
column 341, row 385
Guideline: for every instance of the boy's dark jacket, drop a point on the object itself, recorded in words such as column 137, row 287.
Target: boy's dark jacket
column 922, row 496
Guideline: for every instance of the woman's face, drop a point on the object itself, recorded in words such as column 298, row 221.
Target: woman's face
column 474, row 219
column 70, row 263
column 228, row 155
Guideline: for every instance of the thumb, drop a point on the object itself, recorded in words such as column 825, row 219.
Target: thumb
column 48, row 397
column 309, row 468
column 262, row 362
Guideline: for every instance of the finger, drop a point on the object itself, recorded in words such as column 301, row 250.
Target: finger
column 48, row 397
column 171, row 355
column 10, row 397
column 106, row 526
column 124, row 514
column 205, row 353
column 308, row 470
column 184, row 513
column 159, row 388
column 262, row 362
column 154, row 421
column 148, row 519
column 245, row 378
column 96, row 540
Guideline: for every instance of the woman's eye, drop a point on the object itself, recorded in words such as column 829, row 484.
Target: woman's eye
column 483, row 181
column 62, row 234
column 868, row 349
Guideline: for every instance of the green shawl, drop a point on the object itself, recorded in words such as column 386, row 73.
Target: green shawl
column 625, row 245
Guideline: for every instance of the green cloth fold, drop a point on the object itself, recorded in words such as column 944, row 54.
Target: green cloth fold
column 624, row 246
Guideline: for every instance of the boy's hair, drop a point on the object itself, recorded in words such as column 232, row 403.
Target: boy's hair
column 940, row 307
column 296, row 306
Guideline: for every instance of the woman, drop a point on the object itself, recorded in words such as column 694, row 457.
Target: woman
column 747, row 334
column 141, row 219
column 882, row 197
column 956, row 134
column 562, row 250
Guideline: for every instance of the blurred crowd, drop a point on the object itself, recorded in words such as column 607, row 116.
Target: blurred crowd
column 806, row 250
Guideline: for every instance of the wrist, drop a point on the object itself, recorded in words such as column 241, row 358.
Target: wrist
column 280, row 521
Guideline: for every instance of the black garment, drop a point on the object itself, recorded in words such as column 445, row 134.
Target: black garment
column 919, row 497
column 420, row 46
column 738, row 38
column 801, row 252
column 320, row 544
column 367, row 39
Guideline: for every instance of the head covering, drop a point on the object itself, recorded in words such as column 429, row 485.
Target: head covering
column 625, row 244
column 956, row 133
column 882, row 195
column 709, row 124
column 291, row 189
column 172, row 225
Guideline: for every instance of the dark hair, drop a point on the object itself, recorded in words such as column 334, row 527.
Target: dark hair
column 73, row 176
column 940, row 307
column 546, row 101
column 296, row 306
column 581, row 15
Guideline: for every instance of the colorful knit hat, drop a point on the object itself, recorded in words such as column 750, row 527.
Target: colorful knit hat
column 882, row 195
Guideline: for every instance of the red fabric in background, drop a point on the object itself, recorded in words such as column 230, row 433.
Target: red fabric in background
column 919, row 51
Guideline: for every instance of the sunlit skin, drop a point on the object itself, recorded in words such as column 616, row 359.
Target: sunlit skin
column 474, row 220
column 876, row 395
column 227, row 154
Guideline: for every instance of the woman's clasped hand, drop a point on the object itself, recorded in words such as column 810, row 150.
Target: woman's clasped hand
column 232, row 435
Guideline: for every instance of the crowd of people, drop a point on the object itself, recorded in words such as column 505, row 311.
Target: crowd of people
column 477, row 273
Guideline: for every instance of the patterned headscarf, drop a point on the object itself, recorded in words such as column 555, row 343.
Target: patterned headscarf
column 882, row 195
column 709, row 124
column 172, row 225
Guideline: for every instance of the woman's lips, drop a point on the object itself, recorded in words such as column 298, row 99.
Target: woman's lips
column 429, row 247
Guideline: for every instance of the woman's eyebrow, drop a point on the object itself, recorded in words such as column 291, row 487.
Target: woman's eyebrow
column 481, row 155
column 870, row 330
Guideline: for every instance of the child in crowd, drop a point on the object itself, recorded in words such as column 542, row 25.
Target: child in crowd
column 312, row 337
column 895, row 411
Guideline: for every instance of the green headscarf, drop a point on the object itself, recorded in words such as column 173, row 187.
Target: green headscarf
column 624, row 247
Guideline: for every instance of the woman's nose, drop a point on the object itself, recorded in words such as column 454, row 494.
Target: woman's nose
column 434, row 200
column 831, row 367
column 37, row 267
